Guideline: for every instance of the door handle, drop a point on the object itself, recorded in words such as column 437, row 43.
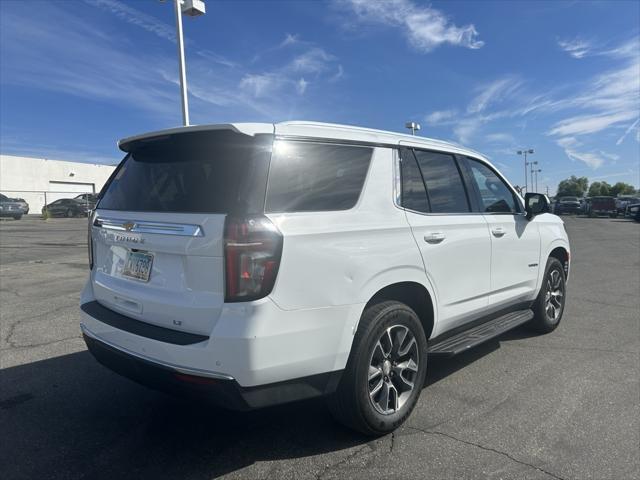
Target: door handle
column 435, row 237
column 498, row 232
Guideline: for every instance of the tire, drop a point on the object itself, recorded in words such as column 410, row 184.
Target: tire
column 356, row 402
column 17, row 217
column 549, row 306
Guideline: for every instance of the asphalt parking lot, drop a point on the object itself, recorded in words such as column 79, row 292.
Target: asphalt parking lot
column 561, row 406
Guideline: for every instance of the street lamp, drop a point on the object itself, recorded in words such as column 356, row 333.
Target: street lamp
column 525, row 152
column 537, row 172
column 193, row 8
column 532, row 164
column 413, row 126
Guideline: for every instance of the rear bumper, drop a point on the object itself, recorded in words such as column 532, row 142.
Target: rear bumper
column 253, row 346
column 220, row 391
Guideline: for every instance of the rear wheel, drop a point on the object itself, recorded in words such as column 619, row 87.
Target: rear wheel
column 17, row 217
column 385, row 372
column 549, row 306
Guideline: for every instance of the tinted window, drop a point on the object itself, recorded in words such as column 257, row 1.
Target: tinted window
column 211, row 171
column 445, row 189
column 306, row 177
column 495, row 195
column 414, row 195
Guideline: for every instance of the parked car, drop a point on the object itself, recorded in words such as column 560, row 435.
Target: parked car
column 623, row 201
column 10, row 208
column 257, row 264
column 633, row 211
column 567, row 205
column 88, row 199
column 66, row 207
column 600, row 206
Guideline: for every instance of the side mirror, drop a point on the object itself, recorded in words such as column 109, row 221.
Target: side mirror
column 535, row 204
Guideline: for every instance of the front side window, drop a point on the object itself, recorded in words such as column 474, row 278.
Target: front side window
column 445, row 188
column 496, row 196
column 312, row 177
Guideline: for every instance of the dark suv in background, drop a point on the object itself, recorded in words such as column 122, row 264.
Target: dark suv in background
column 567, row 205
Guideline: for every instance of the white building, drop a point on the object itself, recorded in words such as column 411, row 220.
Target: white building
column 40, row 181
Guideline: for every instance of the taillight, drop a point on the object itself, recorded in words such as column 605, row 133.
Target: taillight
column 90, row 219
column 252, row 250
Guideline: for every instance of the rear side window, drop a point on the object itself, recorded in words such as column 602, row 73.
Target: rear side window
column 414, row 195
column 205, row 172
column 308, row 177
column 445, row 189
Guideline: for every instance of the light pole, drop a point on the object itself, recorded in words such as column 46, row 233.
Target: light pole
column 413, row 126
column 537, row 172
column 525, row 152
column 532, row 164
column 193, row 8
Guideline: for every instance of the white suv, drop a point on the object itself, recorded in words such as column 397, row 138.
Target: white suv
column 256, row 264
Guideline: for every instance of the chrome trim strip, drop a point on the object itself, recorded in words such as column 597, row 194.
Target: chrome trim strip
column 176, row 368
column 137, row 226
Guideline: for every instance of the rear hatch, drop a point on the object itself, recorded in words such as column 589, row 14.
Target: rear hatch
column 157, row 232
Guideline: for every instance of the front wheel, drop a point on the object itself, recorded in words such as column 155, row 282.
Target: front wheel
column 385, row 371
column 17, row 217
column 549, row 306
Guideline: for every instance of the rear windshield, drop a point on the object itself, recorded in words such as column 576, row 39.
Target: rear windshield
column 202, row 172
column 569, row 199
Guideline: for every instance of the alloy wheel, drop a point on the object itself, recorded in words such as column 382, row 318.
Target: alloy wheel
column 554, row 296
column 393, row 369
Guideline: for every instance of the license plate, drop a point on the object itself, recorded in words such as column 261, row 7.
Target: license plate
column 138, row 266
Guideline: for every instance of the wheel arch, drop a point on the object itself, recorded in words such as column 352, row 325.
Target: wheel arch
column 563, row 255
column 413, row 294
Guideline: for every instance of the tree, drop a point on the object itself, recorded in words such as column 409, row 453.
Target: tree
column 573, row 187
column 599, row 189
column 622, row 188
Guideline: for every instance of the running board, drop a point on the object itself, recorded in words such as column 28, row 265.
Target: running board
column 463, row 341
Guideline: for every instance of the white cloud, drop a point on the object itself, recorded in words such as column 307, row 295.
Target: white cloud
column 567, row 142
column 585, row 124
column 499, row 138
column 440, row 116
column 338, row 75
column 301, row 86
column 591, row 159
column 136, row 17
column 425, row 27
column 261, row 85
column 628, row 130
column 289, row 39
column 314, row 60
column 576, row 47
column 493, row 93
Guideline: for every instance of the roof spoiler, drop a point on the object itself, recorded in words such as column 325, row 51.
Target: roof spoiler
column 252, row 129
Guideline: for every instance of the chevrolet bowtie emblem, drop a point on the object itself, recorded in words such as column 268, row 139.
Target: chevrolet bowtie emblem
column 129, row 226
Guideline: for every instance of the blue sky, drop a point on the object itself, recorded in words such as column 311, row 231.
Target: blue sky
column 560, row 77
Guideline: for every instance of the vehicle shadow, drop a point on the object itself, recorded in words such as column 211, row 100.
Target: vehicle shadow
column 70, row 417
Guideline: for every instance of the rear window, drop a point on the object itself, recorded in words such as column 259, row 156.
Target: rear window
column 307, row 177
column 202, row 172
